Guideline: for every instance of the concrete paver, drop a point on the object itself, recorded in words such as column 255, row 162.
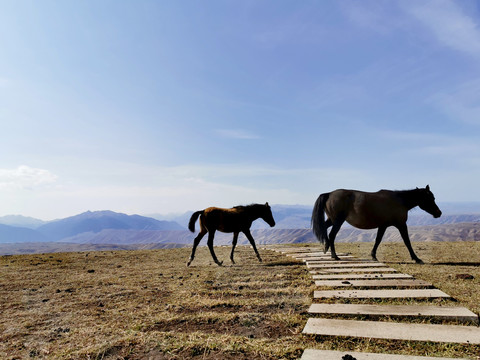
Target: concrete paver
column 350, row 270
column 312, row 354
column 348, row 276
column 321, row 265
column 440, row 312
column 374, row 283
column 384, row 294
column 397, row 331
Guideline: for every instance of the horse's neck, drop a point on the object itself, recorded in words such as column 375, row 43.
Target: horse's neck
column 409, row 198
column 254, row 214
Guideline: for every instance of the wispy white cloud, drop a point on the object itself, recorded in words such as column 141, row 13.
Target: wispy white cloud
column 237, row 134
column 25, row 177
column 372, row 15
column 449, row 23
column 461, row 102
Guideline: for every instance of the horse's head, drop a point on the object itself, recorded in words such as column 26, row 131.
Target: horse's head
column 427, row 202
column 267, row 215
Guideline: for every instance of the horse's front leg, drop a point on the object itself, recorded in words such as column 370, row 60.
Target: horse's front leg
column 404, row 233
column 252, row 242
column 211, row 234
column 234, row 243
column 378, row 240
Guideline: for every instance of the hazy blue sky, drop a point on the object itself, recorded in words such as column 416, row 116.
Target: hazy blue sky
column 168, row 106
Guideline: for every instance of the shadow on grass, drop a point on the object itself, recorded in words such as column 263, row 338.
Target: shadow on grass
column 457, row 263
column 452, row 263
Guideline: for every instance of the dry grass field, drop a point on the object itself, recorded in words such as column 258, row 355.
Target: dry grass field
column 149, row 305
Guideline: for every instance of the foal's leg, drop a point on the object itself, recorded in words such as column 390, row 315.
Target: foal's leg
column 211, row 234
column 404, row 232
column 380, row 233
column 234, row 243
column 252, row 242
column 337, row 224
column 195, row 244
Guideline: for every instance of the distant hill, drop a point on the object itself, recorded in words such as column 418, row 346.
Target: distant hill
column 21, row 221
column 94, row 222
column 9, row 234
column 85, row 225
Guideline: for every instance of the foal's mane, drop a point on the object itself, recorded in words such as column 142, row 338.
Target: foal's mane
column 245, row 207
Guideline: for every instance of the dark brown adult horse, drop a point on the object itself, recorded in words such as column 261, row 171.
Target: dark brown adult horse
column 236, row 220
column 369, row 211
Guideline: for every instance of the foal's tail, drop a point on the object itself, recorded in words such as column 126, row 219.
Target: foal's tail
column 318, row 218
column 193, row 220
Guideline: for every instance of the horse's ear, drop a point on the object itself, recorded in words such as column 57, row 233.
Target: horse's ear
column 266, row 204
column 428, row 188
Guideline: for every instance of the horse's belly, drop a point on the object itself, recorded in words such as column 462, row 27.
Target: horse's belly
column 366, row 220
column 365, row 224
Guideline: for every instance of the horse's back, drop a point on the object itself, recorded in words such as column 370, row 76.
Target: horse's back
column 225, row 220
column 365, row 210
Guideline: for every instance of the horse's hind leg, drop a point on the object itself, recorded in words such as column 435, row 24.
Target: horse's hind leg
column 195, row 244
column 211, row 234
column 337, row 224
column 234, row 243
column 252, row 242
column 328, row 223
column 378, row 239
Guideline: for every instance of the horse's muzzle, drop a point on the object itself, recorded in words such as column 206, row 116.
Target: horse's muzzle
column 437, row 214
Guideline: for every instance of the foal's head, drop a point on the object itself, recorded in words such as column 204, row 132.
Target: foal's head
column 266, row 215
column 427, row 202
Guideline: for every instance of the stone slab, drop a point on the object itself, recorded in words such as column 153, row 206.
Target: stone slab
column 298, row 250
column 321, row 265
column 374, row 283
column 439, row 312
column 324, row 258
column 380, row 294
column 348, row 276
column 397, row 331
column 312, row 252
column 313, row 354
column 351, row 270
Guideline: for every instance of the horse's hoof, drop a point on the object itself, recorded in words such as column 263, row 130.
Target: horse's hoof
column 374, row 258
column 233, row 262
column 219, row 263
column 419, row 261
column 188, row 263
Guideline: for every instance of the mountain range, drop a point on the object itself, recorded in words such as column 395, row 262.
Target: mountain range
column 108, row 229
column 32, row 230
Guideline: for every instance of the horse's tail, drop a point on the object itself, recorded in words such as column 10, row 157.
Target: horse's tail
column 193, row 220
column 318, row 218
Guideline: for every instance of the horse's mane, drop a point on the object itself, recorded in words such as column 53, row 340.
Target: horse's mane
column 407, row 195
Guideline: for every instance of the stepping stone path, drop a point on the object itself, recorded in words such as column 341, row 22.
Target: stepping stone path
column 351, row 273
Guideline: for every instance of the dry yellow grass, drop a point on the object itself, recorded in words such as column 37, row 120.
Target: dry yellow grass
column 148, row 304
